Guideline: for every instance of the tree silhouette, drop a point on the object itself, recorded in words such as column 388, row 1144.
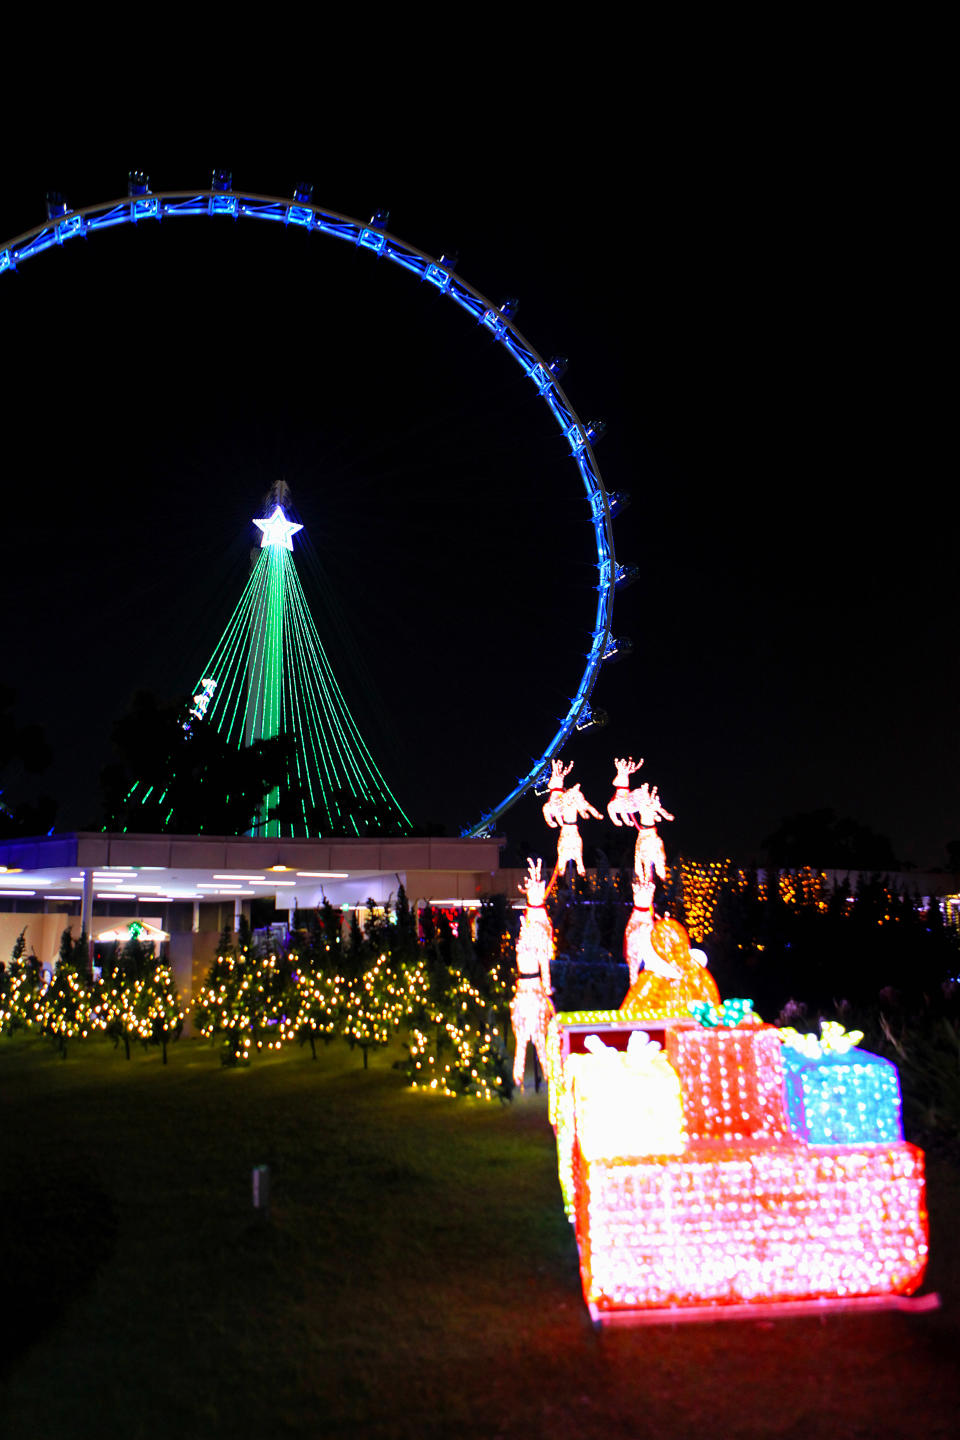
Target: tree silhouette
column 827, row 841
column 23, row 750
column 187, row 780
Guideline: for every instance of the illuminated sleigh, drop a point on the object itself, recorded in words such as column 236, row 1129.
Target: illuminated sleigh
column 697, row 1192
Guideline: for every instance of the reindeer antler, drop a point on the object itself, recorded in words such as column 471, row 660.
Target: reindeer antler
column 626, row 768
column 533, row 885
column 558, row 773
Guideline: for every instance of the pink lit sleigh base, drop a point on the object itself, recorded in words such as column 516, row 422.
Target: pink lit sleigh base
column 730, row 1213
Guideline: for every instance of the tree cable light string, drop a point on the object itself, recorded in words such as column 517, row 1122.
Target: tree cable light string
column 141, row 205
column 269, row 674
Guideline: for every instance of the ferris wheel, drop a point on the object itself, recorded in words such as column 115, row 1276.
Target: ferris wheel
column 143, row 206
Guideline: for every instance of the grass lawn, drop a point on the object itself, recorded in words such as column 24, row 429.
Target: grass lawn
column 417, row 1277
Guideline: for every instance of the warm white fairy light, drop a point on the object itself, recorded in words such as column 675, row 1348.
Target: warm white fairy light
column 454, row 1048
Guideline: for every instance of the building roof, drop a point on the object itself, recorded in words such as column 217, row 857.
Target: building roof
column 162, row 868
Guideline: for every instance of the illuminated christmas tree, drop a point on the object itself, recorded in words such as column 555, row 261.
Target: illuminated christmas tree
column 244, row 1001
column 21, row 989
column 64, row 1011
column 268, row 684
column 137, row 998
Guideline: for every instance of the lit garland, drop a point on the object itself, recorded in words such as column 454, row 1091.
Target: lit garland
column 416, row 985
column 500, row 972
column 788, row 887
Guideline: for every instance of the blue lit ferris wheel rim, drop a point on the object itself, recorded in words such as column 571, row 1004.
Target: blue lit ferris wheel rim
column 142, row 208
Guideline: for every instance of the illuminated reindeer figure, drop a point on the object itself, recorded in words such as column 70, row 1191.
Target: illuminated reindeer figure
column 562, row 811
column 638, row 948
column 665, row 974
column 531, row 1008
column 558, row 773
column 649, row 857
column 619, row 807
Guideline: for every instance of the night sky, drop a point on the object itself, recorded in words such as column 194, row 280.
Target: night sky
column 747, row 297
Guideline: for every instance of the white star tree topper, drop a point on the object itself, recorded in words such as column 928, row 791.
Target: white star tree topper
column 278, row 531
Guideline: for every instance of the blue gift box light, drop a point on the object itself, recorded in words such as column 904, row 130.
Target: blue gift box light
column 838, row 1094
